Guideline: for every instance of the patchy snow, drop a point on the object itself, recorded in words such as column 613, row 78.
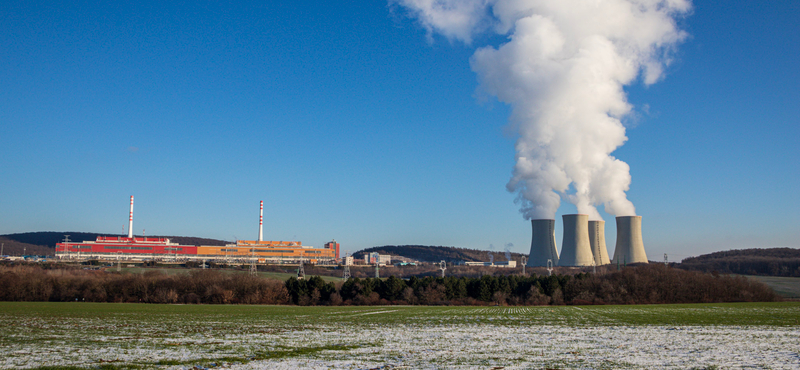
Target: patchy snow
column 458, row 338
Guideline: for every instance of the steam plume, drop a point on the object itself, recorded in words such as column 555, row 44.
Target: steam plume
column 562, row 71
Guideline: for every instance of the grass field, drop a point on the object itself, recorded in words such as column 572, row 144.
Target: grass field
column 788, row 287
column 113, row 336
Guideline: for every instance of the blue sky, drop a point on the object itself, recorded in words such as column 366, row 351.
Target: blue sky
column 351, row 124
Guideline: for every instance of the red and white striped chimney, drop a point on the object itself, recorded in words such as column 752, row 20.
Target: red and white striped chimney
column 130, row 220
column 261, row 223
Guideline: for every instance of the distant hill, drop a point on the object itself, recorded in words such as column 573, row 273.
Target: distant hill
column 44, row 242
column 766, row 261
column 437, row 253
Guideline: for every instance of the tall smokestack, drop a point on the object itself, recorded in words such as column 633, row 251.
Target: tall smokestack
column 261, row 222
column 543, row 243
column 130, row 220
column 597, row 241
column 575, row 250
column 630, row 248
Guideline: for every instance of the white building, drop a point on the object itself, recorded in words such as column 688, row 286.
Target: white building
column 380, row 259
column 504, row 264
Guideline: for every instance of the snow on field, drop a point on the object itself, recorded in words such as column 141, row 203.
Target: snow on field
column 456, row 341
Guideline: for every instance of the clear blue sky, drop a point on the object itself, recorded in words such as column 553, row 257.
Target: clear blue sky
column 350, row 124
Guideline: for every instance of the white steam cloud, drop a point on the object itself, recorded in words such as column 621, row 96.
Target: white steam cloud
column 562, row 71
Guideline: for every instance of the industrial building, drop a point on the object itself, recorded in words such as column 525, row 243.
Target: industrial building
column 377, row 258
column 132, row 248
column 502, row 264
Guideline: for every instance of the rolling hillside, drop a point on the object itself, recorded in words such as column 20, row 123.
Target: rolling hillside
column 755, row 261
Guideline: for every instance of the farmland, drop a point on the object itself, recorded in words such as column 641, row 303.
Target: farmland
column 112, row 336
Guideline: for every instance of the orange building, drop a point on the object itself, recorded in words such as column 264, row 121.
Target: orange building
column 268, row 251
column 333, row 245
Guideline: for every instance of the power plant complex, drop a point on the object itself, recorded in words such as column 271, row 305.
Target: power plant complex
column 161, row 249
column 584, row 242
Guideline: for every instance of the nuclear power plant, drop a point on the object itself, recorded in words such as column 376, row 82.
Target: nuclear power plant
column 584, row 242
column 630, row 248
column 543, row 243
column 575, row 250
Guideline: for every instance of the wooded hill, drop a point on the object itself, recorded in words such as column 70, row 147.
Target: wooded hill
column 435, row 254
column 768, row 261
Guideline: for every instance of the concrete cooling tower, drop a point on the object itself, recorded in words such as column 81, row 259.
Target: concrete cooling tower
column 597, row 241
column 630, row 248
column 575, row 248
column 543, row 243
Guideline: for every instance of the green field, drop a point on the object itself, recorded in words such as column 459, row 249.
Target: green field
column 788, row 287
column 104, row 335
column 758, row 314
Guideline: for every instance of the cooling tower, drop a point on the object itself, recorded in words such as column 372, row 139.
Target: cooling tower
column 575, row 248
column 597, row 241
column 630, row 248
column 543, row 243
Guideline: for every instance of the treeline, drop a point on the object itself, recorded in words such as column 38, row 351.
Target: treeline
column 437, row 253
column 646, row 284
column 34, row 283
column 769, row 261
column 632, row 285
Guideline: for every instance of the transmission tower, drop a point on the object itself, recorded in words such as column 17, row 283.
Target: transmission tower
column 346, row 274
column 442, row 266
column 66, row 245
column 550, row 267
column 666, row 261
column 524, row 261
column 253, row 270
column 301, row 272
